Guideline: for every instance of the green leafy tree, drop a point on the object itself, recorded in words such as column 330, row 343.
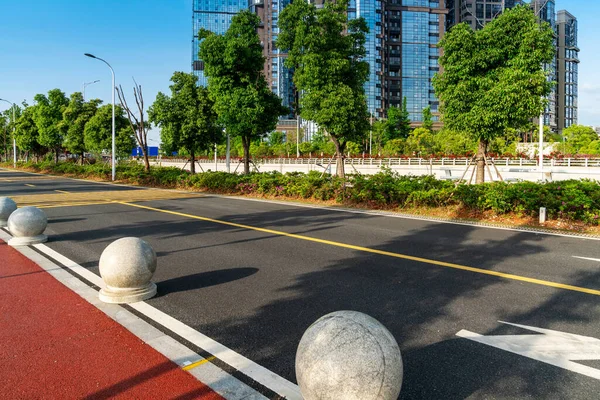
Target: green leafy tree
column 75, row 117
column 327, row 53
column 48, row 117
column 427, row 119
column 448, row 141
column 394, row 147
column 421, row 141
column 493, row 78
column 98, row 132
column 27, row 134
column 580, row 137
column 187, row 120
column 233, row 63
column 398, row 122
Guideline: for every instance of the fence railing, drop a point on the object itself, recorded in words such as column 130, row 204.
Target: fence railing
column 397, row 161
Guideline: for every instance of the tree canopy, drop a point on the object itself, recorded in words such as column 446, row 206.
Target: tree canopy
column 233, row 63
column 327, row 53
column 75, row 116
column 49, row 112
column 98, row 132
column 187, row 119
column 493, row 78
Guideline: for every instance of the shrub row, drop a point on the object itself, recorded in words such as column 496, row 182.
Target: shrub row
column 577, row 200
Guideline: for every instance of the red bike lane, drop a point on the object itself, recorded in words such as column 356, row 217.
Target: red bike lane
column 55, row 345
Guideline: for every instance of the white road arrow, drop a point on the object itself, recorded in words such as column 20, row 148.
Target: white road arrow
column 587, row 258
column 552, row 347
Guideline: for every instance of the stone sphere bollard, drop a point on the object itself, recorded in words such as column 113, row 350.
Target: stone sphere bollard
column 348, row 355
column 126, row 266
column 7, row 207
column 27, row 226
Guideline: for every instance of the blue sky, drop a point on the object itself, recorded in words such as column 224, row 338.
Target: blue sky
column 42, row 44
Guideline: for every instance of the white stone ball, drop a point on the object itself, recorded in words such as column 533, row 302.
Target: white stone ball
column 128, row 263
column 27, row 222
column 7, row 207
column 348, row 355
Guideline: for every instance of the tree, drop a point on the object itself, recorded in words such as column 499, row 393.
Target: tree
column 75, row 117
column 327, row 53
column 49, row 114
column 233, row 63
column 98, row 132
column 137, row 122
column 398, row 122
column 421, row 141
column 27, row 134
column 580, row 137
column 187, row 119
column 427, row 119
column 493, row 78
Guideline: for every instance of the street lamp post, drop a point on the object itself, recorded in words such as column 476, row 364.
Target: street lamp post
column 14, row 128
column 113, row 112
column 87, row 84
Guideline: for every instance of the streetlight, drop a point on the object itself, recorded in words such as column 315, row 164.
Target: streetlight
column 113, row 111
column 14, row 127
column 87, row 84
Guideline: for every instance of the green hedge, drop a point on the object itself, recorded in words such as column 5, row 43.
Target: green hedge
column 577, row 200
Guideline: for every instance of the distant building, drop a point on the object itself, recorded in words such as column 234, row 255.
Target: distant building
column 214, row 15
column 567, row 64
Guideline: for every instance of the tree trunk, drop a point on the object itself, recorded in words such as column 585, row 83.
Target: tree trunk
column 481, row 152
column 339, row 149
column 56, row 156
column 246, row 144
column 192, row 162
column 146, row 162
column 82, row 158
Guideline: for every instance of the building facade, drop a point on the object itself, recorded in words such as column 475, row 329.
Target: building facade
column 401, row 48
column 567, row 64
column 410, row 56
column 215, row 16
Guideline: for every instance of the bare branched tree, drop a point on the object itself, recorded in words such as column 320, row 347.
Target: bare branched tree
column 138, row 125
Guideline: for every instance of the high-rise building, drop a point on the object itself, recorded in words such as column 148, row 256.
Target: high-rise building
column 401, row 48
column 215, row 16
column 476, row 12
column 567, row 61
column 409, row 52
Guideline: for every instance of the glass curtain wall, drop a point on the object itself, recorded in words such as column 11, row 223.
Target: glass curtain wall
column 214, row 15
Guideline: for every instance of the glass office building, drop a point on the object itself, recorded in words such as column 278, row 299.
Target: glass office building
column 567, row 69
column 411, row 32
column 214, row 15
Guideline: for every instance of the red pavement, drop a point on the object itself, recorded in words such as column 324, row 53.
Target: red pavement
column 55, row 345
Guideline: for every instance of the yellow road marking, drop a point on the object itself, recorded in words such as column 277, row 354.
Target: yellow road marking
column 198, row 363
column 72, row 204
column 62, row 197
column 381, row 252
column 29, row 185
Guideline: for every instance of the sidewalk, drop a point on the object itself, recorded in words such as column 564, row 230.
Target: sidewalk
column 55, row 345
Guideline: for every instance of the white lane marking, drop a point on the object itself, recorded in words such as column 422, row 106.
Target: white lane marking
column 587, row 258
column 552, row 347
column 258, row 373
column 209, row 374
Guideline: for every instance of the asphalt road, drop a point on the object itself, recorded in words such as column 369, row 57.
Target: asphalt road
column 256, row 292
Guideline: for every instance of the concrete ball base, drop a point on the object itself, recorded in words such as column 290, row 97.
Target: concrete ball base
column 7, row 207
column 27, row 226
column 127, row 295
column 126, row 266
column 351, row 356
